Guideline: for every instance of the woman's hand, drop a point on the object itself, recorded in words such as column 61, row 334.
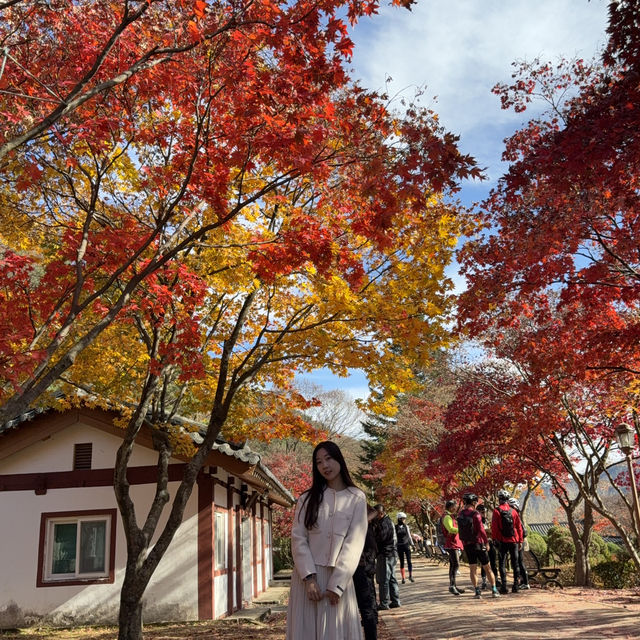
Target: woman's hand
column 333, row 598
column 313, row 590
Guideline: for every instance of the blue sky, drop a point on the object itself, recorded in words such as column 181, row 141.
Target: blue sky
column 458, row 50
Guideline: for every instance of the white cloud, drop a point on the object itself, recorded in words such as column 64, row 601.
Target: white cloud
column 355, row 384
column 460, row 49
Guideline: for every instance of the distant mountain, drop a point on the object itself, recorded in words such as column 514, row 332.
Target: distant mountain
column 545, row 507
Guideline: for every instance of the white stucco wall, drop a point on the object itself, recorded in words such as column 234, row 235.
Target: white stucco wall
column 220, row 595
column 220, row 494
column 172, row 593
column 56, row 452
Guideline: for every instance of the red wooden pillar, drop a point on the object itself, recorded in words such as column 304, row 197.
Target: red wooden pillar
column 205, row 547
column 230, row 542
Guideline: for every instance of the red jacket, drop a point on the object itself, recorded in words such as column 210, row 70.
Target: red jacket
column 520, row 532
column 496, row 525
column 451, row 538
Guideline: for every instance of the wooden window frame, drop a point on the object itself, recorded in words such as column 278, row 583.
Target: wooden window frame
column 109, row 578
column 220, row 564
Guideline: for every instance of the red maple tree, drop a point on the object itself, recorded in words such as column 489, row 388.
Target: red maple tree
column 155, row 147
column 558, row 265
column 128, row 149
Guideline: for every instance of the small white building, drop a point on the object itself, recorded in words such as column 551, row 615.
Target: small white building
column 63, row 549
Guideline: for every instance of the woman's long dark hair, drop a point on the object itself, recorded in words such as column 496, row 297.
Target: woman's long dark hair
column 313, row 497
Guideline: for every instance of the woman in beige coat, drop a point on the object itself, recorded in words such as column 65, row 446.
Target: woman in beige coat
column 327, row 538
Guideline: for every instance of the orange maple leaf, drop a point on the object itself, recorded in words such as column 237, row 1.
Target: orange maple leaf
column 199, row 8
column 194, row 31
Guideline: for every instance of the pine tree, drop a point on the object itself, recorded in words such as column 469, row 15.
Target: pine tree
column 376, row 427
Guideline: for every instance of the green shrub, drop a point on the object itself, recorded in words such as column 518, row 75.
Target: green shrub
column 282, row 558
column 598, row 550
column 560, row 545
column 567, row 575
column 537, row 544
column 616, row 574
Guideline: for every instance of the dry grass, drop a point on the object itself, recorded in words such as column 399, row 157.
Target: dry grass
column 273, row 628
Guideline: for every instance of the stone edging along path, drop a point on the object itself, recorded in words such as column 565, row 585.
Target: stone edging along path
column 429, row 612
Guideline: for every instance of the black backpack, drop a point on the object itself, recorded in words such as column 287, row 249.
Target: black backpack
column 465, row 527
column 506, row 523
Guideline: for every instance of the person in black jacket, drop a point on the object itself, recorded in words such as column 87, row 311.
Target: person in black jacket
column 405, row 543
column 363, row 580
column 389, row 592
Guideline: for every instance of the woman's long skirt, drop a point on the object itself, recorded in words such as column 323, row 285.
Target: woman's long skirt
column 309, row 620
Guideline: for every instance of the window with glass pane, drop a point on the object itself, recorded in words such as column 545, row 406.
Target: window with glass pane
column 267, row 532
column 64, row 547
column 92, row 546
column 78, row 548
column 259, row 535
column 220, row 537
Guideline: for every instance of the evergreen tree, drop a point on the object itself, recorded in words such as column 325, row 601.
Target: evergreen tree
column 376, row 428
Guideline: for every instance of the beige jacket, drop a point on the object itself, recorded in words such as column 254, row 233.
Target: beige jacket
column 337, row 539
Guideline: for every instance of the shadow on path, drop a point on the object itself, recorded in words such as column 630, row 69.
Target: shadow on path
column 430, row 612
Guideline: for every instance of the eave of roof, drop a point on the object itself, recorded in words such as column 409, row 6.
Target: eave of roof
column 241, row 453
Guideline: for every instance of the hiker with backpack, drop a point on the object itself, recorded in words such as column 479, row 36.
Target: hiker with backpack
column 506, row 530
column 475, row 541
column 448, row 539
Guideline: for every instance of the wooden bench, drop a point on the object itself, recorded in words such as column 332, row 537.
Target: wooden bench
column 546, row 577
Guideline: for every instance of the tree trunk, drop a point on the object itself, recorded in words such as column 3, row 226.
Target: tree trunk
column 581, row 541
column 582, row 565
column 142, row 556
column 587, row 529
column 130, row 617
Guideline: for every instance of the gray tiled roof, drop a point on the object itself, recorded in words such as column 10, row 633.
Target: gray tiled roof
column 23, row 417
column 543, row 529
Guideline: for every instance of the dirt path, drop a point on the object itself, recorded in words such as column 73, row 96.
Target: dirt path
column 430, row 612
